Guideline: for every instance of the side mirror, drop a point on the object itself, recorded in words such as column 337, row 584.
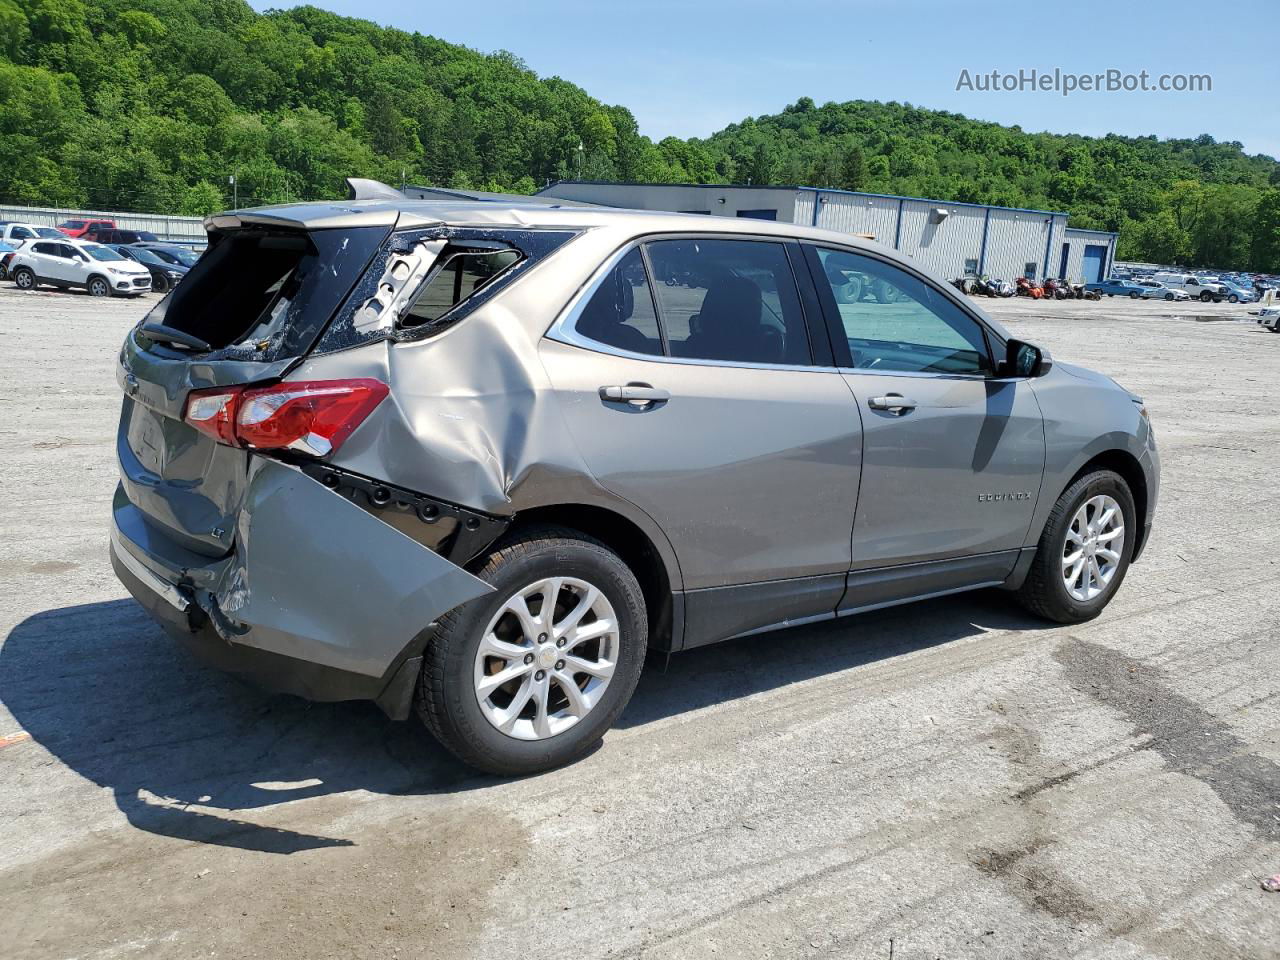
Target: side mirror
column 1025, row 360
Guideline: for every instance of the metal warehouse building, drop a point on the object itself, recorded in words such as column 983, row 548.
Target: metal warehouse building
column 952, row 238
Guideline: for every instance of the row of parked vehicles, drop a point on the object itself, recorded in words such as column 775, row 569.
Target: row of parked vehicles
column 1176, row 286
column 94, row 256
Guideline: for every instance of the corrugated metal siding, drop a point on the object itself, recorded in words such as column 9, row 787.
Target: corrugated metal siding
column 681, row 197
column 804, row 207
column 944, row 246
column 1014, row 239
column 188, row 230
column 851, row 213
column 1078, row 240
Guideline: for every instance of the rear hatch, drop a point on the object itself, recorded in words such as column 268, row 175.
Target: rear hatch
column 247, row 312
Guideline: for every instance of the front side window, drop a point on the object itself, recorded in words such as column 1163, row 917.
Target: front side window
column 729, row 300
column 621, row 312
column 462, row 274
column 895, row 321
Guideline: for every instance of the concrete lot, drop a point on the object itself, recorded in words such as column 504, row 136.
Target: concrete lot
column 946, row 780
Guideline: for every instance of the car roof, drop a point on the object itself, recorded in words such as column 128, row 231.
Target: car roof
column 409, row 214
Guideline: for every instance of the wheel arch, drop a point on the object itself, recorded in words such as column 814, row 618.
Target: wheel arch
column 634, row 546
column 1130, row 470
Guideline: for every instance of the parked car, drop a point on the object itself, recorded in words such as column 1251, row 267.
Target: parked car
column 7, row 248
column 1195, row 287
column 1270, row 319
column 171, row 252
column 17, row 232
column 1155, row 290
column 78, row 228
column 163, row 273
column 1117, row 288
column 114, row 235
column 70, row 263
column 472, row 457
column 1236, row 292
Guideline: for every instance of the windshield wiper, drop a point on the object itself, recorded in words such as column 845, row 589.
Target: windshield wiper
column 163, row 334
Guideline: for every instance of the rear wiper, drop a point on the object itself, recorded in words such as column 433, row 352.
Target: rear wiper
column 163, row 334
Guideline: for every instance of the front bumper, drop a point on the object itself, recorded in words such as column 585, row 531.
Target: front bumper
column 318, row 598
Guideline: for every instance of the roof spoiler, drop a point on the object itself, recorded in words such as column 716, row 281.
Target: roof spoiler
column 361, row 189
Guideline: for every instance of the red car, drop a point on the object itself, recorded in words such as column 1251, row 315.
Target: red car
column 78, row 228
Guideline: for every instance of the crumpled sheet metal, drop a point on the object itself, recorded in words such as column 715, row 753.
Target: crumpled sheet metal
column 319, row 579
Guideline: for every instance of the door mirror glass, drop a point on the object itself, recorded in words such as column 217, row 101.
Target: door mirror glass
column 1025, row 360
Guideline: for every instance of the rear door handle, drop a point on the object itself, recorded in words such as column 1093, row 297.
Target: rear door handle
column 637, row 394
column 894, row 402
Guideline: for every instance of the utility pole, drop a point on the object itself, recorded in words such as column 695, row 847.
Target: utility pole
column 581, row 148
column 235, row 191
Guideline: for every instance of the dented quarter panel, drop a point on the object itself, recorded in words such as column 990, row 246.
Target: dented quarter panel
column 472, row 417
column 316, row 578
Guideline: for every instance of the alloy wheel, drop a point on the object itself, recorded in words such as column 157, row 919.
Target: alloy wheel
column 1094, row 545
column 546, row 658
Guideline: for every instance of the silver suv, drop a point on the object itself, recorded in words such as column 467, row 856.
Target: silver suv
column 479, row 457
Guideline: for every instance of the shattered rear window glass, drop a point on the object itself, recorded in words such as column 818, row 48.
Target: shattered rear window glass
column 461, row 276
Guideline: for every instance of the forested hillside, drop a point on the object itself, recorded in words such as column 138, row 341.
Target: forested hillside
column 154, row 104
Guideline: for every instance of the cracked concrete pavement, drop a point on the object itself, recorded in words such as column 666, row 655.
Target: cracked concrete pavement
column 952, row 777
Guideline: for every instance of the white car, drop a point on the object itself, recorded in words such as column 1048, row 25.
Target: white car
column 17, row 232
column 1154, row 290
column 70, row 263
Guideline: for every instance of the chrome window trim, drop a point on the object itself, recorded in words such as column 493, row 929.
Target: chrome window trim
column 564, row 328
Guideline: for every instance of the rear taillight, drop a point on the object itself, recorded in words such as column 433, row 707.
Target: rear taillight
column 312, row 417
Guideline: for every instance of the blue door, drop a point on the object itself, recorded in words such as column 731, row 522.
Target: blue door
column 1094, row 258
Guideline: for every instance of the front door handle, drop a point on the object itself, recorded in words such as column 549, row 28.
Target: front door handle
column 894, row 403
column 637, row 394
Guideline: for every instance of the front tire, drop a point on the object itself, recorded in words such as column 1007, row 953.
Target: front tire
column 98, row 287
column 1133, row 296
column 1084, row 551
column 1169, row 296
column 530, row 677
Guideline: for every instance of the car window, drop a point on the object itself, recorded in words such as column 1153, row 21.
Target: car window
column 99, row 252
column 461, row 274
column 67, row 250
column 48, row 232
column 21, row 233
column 728, row 300
column 896, row 321
column 49, row 249
column 73, row 224
column 143, row 255
column 621, row 312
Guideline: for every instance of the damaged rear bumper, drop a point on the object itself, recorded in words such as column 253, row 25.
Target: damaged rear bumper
column 318, row 598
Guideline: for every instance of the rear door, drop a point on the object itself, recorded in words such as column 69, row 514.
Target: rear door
column 952, row 454
column 260, row 298
column 701, row 400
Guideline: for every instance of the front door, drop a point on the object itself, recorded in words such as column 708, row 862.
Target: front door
column 952, row 455
column 697, row 399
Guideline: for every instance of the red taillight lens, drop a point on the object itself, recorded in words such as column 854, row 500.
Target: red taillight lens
column 313, row 417
column 214, row 412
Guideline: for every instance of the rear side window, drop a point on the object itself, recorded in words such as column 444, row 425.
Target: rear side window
column 460, row 276
column 621, row 312
column 49, row 249
column 727, row 300
column 730, row 300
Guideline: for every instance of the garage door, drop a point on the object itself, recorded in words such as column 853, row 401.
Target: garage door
column 1094, row 257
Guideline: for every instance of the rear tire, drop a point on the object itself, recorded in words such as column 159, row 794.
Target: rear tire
column 24, row 279
column 1045, row 592
column 466, row 719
